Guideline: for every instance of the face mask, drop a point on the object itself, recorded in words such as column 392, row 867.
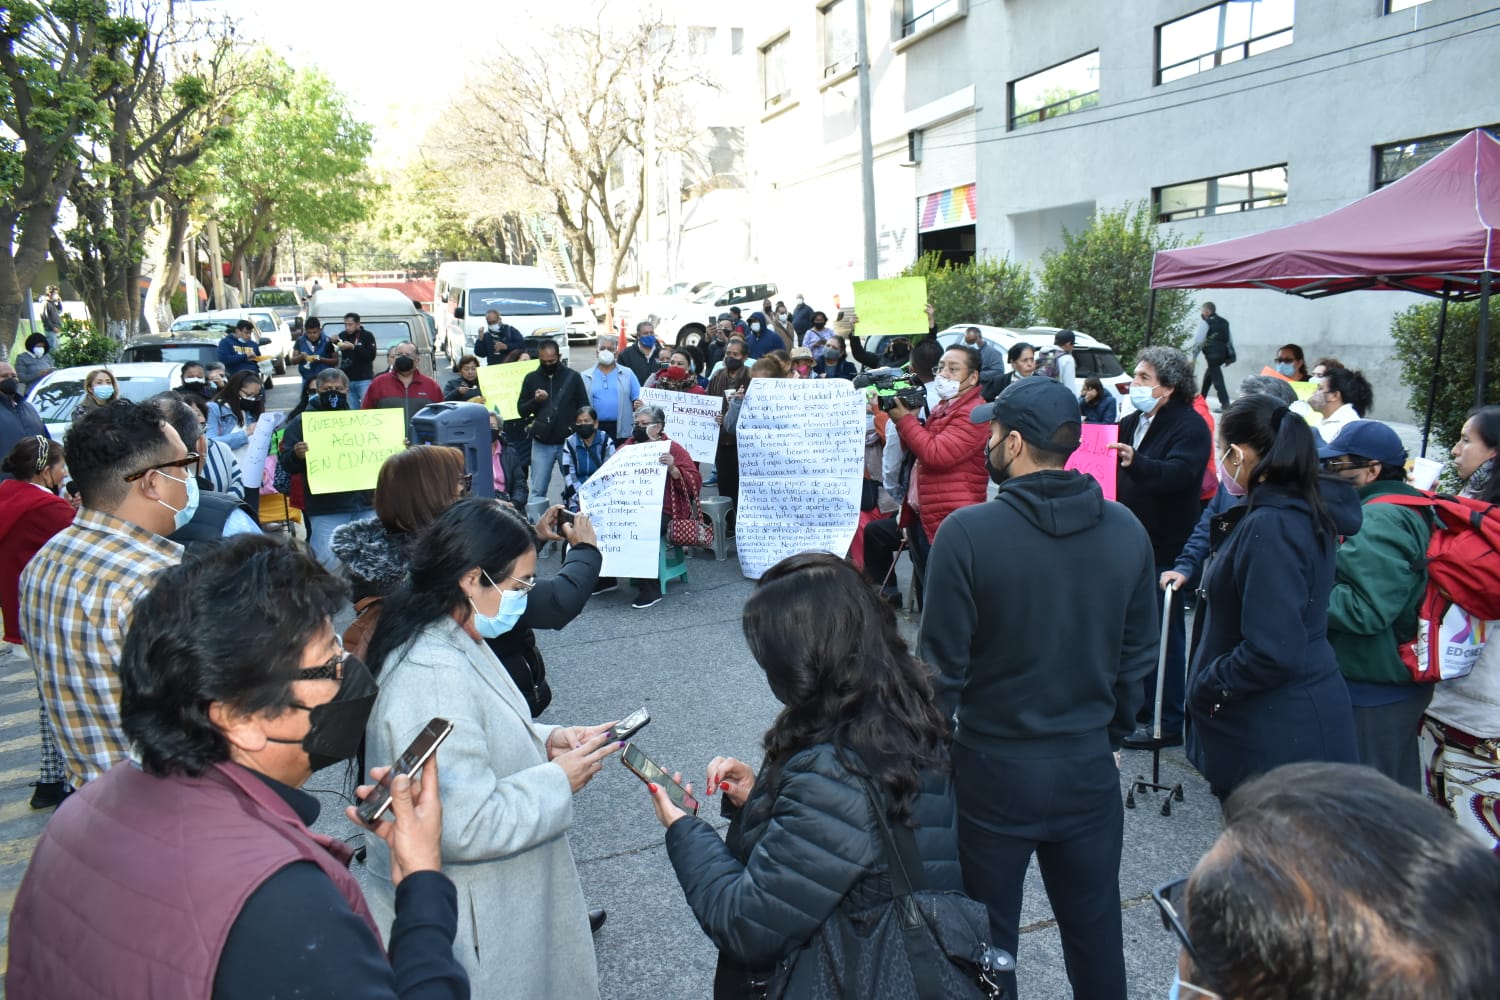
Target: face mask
column 404, row 364
column 512, row 606
column 180, row 518
column 946, row 387
column 755, row 328
column 249, row 400
column 338, row 726
column 832, row 357
column 493, row 327
column 1287, row 368
column 1142, row 399
column 584, row 431
column 733, row 364
column 819, row 326
column 1230, row 484
column 494, row 434
column 640, row 435
column 10, row 386
column 331, row 400
column 799, row 300
column 104, row 392
column 648, row 342
column 804, row 370
column 551, row 366
column 997, row 476
column 195, row 382
column 38, row 350
column 781, row 314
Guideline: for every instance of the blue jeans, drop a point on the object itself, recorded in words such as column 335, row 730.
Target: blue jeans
column 357, row 392
column 543, row 459
column 1173, row 690
column 320, row 534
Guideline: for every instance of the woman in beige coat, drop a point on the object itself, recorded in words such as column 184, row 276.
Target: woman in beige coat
column 508, row 783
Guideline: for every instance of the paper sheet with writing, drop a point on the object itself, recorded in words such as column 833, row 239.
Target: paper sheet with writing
column 252, row 457
column 346, row 448
column 501, row 385
column 802, row 449
column 690, row 419
column 624, row 502
column 891, row 306
column 1095, row 457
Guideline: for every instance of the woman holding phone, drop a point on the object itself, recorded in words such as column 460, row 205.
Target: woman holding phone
column 508, row 783
column 858, row 710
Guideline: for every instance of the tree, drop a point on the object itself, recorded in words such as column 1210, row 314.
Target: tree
column 1100, row 281
column 60, row 63
column 985, row 291
column 1414, row 333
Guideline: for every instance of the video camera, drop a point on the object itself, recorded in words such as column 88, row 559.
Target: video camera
column 892, row 384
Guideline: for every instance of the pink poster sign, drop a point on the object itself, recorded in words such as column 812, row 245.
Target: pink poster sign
column 1095, row 457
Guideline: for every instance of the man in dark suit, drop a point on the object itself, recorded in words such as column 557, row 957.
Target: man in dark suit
column 1164, row 447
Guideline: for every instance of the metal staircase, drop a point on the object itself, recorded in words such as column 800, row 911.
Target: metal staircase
column 552, row 251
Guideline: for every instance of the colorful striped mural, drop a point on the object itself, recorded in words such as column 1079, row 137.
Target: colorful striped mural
column 947, row 209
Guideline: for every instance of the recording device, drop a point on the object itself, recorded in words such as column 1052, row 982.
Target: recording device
column 565, row 516
column 630, row 725
column 373, row 807
column 891, row 385
column 645, row 768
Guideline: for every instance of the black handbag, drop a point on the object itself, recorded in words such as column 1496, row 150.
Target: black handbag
column 907, row 942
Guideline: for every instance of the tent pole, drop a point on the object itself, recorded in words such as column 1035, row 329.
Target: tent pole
column 1437, row 364
column 1150, row 318
column 1482, row 376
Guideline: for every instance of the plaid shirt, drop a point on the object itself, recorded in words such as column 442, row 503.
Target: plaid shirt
column 77, row 593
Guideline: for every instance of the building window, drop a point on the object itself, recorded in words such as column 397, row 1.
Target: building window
column 840, row 47
column 1395, row 160
column 1061, row 90
column 919, row 14
column 1391, row 6
column 775, row 72
column 736, row 41
column 1224, row 33
column 1243, row 192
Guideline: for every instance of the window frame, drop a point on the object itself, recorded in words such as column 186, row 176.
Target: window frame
column 1248, row 204
column 1010, row 88
column 1222, row 5
column 1410, row 5
column 839, row 69
column 776, row 102
column 1375, row 151
column 912, row 26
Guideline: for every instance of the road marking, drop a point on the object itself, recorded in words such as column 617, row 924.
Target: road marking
column 19, row 695
column 18, row 809
column 29, row 674
column 26, row 774
column 31, row 739
column 17, row 719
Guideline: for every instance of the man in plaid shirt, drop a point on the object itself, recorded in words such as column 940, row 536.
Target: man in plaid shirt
column 135, row 481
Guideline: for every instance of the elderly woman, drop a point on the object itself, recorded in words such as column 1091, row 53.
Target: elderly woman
column 508, row 782
column 99, row 389
column 684, row 483
column 465, row 387
column 230, row 702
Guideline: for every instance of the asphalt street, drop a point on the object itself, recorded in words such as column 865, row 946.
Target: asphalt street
column 686, row 661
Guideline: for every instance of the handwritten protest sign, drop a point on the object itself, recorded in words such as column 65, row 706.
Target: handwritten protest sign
column 501, row 384
column 623, row 500
column 345, row 448
column 252, row 457
column 891, row 306
column 801, row 445
column 1095, row 457
column 690, row 419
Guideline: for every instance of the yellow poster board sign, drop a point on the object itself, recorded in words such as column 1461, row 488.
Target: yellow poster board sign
column 1304, row 390
column 346, row 448
column 891, row 306
column 501, row 385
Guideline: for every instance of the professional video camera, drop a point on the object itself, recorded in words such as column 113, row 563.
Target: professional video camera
column 892, row 384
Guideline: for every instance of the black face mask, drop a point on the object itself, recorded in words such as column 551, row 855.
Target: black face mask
column 494, row 434
column 338, row 726
column 404, row 364
column 640, row 435
column 584, row 431
column 733, row 364
column 900, row 352
column 997, row 476
column 331, row 400
column 10, row 386
column 549, row 367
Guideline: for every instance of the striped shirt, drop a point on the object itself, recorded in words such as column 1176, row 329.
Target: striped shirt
column 222, row 470
column 77, row 594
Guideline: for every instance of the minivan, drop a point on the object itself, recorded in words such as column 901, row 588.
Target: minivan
column 385, row 312
column 525, row 297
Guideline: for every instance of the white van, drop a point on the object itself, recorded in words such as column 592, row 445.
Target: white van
column 385, row 312
column 525, row 297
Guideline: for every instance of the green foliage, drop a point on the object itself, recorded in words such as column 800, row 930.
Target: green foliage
column 1414, row 333
column 985, row 291
column 1100, row 282
column 82, row 344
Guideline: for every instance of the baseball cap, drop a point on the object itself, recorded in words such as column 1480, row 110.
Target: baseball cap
column 802, row 354
column 1063, row 337
column 1367, row 439
column 1038, row 408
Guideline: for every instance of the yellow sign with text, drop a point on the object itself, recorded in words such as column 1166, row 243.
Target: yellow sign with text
column 501, row 385
column 346, row 448
column 891, row 306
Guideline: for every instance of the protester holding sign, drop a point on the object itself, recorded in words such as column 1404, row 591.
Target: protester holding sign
column 325, row 509
column 683, row 486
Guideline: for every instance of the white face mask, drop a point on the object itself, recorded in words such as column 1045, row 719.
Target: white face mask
column 606, row 358
column 946, row 387
column 755, row 328
column 39, row 350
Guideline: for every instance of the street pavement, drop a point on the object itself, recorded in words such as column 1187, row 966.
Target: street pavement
column 686, row 661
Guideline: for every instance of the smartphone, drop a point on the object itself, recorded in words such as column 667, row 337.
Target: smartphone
column 566, row 516
column 373, row 808
column 630, row 725
column 645, row 768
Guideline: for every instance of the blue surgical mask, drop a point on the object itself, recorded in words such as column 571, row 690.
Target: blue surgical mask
column 1142, row 399
column 104, row 392
column 512, row 607
column 180, row 518
column 648, row 342
column 1287, row 368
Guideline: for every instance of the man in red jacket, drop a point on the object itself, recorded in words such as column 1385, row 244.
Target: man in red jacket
column 949, row 449
column 402, row 385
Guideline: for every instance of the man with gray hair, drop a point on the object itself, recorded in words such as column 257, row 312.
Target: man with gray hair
column 614, row 390
column 1164, row 447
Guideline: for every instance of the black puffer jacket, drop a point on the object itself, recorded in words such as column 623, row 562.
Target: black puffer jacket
column 553, row 602
column 803, row 840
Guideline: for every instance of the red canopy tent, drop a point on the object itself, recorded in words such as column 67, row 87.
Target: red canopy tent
column 1432, row 232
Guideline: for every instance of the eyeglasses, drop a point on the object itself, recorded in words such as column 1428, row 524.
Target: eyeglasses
column 333, row 670
column 1168, row 899
column 526, row 584
column 181, row 463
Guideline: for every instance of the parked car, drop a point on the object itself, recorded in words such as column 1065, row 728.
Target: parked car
column 596, row 303
column 630, row 309
column 275, row 336
column 286, row 301
column 583, row 328
column 1090, row 356
column 687, row 322
column 198, row 343
column 58, row 394
column 385, row 312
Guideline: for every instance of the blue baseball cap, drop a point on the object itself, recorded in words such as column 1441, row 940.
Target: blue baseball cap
column 1366, row 439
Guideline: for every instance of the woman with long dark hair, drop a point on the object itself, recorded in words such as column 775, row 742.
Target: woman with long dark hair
column 234, row 410
column 857, row 709
column 508, row 783
column 1264, row 688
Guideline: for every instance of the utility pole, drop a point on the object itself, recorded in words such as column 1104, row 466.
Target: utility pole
column 866, row 146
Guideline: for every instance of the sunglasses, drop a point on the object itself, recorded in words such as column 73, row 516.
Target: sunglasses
column 1168, row 899
column 181, row 463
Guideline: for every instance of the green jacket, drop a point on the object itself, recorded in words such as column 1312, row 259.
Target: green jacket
column 1377, row 588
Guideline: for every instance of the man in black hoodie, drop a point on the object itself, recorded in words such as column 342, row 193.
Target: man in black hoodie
column 550, row 398
column 1039, row 622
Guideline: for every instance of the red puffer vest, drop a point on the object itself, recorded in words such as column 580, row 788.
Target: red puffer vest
column 950, row 469
column 137, row 880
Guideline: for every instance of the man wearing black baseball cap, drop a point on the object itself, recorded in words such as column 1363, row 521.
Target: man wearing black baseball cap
column 1040, row 623
column 1379, row 579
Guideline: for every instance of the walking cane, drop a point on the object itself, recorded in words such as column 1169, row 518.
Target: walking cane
column 1155, row 784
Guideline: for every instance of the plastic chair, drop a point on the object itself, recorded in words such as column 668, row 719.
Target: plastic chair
column 671, row 564
column 717, row 509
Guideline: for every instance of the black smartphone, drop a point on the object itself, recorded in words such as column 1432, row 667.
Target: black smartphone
column 373, row 808
column 627, row 727
column 565, row 516
column 645, row 768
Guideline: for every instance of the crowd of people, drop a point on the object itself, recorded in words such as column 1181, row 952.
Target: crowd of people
column 191, row 678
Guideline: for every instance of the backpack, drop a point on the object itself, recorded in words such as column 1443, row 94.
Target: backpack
column 1463, row 585
column 1046, row 365
column 360, row 631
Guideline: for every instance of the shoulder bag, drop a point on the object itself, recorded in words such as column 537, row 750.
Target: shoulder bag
column 695, row 531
